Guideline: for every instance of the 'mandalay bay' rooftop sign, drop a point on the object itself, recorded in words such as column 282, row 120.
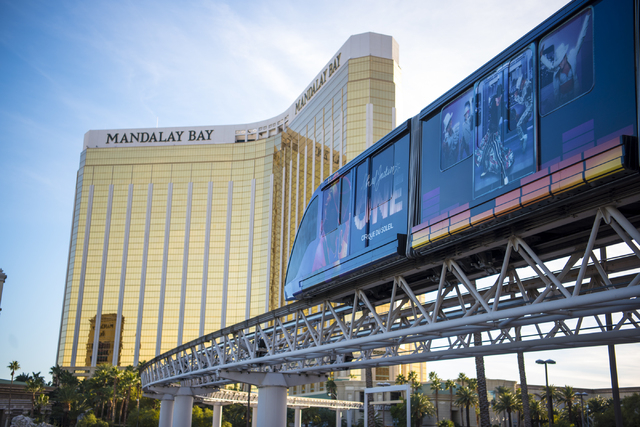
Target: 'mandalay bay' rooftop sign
column 317, row 84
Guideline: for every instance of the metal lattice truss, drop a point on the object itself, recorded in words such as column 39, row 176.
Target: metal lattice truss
column 228, row 397
column 589, row 301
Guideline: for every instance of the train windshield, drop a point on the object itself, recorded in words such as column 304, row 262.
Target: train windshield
column 306, row 235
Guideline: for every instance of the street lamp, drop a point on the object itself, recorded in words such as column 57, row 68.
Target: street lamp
column 546, row 377
column 3, row 277
column 581, row 394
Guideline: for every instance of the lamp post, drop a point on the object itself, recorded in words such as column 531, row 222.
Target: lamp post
column 581, row 394
column 3, row 277
column 546, row 378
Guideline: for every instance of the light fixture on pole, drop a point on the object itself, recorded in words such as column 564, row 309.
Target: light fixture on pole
column 546, row 378
column 581, row 394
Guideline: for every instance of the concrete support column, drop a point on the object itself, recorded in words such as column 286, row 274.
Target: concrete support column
column 338, row 418
column 166, row 411
column 254, row 416
column 272, row 406
column 183, row 407
column 349, row 415
column 217, row 416
column 298, row 417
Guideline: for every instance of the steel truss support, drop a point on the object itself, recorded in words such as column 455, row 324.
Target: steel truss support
column 434, row 320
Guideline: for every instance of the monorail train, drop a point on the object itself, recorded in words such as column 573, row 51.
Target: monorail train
column 555, row 114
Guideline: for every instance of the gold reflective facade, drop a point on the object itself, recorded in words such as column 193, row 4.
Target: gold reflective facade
column 161, row 235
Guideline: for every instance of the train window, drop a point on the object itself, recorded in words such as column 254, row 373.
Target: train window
column 331, row 208
column 521, row 95
column 457, row 136
column 381, row 184
column 361, row 211
column 400, row 176
column 345, row 200
column 566, row 62
column 492, row 158
column 305, row 237
column 504, row 149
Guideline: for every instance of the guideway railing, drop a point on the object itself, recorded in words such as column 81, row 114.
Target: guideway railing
column 450, row 316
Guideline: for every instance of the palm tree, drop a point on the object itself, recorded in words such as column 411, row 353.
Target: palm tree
column 35, row 387
column 13, row 367
column 42, row 400
column 66, row 395
column 507, row 402
column 371, row 413
column 401, row 379
column 23, row 377
column 450, row 385
column 473, row 385
column 436, row 386
column 483, row 401
column 536, row 409
column 552, row 391
column 130, row 381
column 567, row 396
column 420, row 406
column 462, row 378
column 117, row 374
column 413, row 379
column 524, row 391
column 466, row 397
column 56, row 374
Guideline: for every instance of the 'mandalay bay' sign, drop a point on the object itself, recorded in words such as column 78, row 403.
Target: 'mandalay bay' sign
column 159, row 136
column 151, row 137
column 317, row 84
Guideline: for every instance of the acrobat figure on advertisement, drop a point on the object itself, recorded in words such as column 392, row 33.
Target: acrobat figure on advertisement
column 451, row 139
column 566, row 85
column 491, row 155
column 524, row 96
column 467, row 130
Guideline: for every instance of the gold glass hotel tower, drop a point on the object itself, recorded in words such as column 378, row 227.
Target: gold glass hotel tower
column 178, row 232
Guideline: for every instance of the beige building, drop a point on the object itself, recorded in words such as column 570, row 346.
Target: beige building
column 178, row 232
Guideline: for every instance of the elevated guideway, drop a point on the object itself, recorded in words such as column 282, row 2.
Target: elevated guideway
column 554, row 284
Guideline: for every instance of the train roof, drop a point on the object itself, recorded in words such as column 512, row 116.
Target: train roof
column 524, row 41
column 406, row 126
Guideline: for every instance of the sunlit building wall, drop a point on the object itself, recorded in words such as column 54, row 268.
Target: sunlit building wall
column 178, row 232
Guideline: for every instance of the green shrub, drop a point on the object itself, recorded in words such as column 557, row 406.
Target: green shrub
column 90, row 420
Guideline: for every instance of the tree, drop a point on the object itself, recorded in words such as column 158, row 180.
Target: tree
column 524, row 390
column 412, row 378
column 56, row 375
column 598, row 405
column 507, row 402
column 42, row 400
column 567, row 396
column 130, row 382
column 66, row 395
column 370, row 410
column 436, row 386
column 536, row 410
column 13, row 367
column 551, row 392
column 451, row 386
column 420, row 406
column 34, row 386
column 462, row 379
column 332, row 388
column 466, row 397
column 481, row 388
column 23, row 377
column 630, row 406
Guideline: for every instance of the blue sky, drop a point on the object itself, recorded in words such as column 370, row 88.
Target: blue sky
column 69, row 66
